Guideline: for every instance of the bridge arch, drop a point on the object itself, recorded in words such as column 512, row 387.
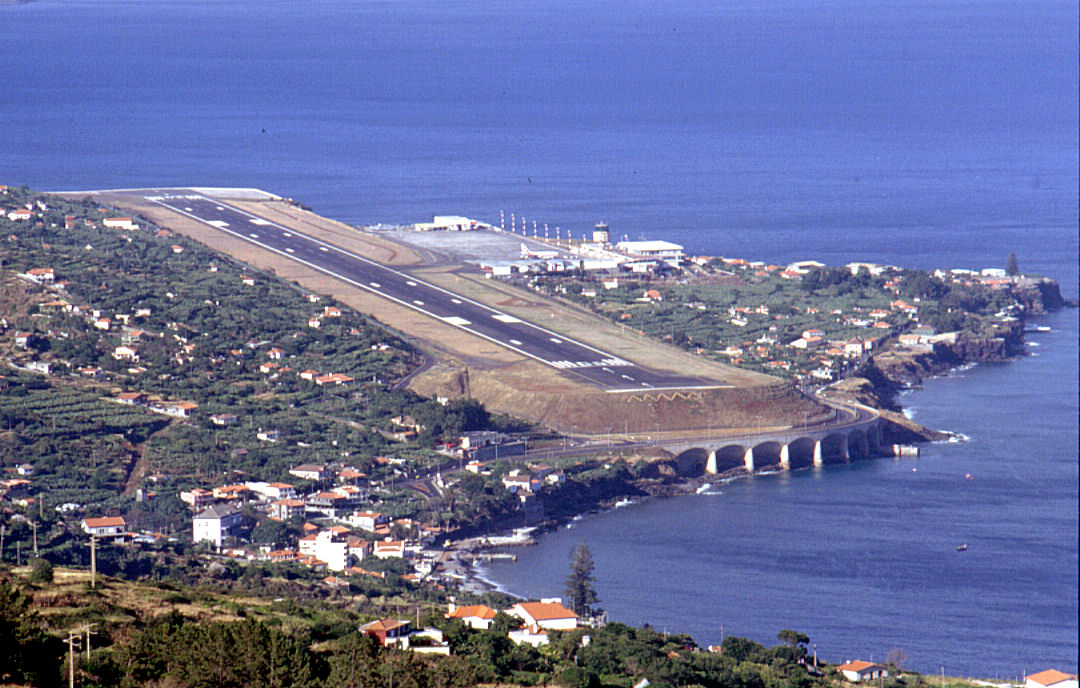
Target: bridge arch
column 727, row 457
column 767, row 454
column 873, row 439
column 858, row 445
column 801, row 453
column 692, row 462
column 833, row 448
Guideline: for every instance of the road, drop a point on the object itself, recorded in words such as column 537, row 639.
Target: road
column 563, row 354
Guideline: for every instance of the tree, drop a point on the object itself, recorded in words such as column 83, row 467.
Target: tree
column 579, row 584
column 29, row 655
column 792, row 638
column 795, row 642
column 1011, row 266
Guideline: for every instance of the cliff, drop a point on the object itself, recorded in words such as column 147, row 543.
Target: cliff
column 1039, row 295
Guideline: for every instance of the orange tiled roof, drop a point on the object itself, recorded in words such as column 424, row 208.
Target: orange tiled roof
column 480, row 611
column 1049, row 677
column 543, row 611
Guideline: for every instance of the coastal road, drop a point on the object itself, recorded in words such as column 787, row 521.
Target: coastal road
column 563, row 354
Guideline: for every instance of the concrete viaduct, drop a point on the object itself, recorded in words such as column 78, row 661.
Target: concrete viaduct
column 856, row 434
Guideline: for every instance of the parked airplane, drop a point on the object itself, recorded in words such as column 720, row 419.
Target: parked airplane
column 539, row 255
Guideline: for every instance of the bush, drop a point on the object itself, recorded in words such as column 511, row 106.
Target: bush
column 41, row 570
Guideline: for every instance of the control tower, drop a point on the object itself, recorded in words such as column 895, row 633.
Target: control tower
column 600, row 234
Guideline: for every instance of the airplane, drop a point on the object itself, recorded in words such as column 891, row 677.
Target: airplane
column 540, row 255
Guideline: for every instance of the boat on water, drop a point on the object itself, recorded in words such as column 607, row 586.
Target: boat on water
column 704, row 488
column 961, row 548
column 1037, row 328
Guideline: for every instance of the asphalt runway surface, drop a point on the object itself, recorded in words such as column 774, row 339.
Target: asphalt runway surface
column 563, row 354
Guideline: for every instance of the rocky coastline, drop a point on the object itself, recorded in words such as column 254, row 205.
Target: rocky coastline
column 876, row 383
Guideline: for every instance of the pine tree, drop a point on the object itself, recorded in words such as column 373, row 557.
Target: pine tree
column 1011, row 266
column 579, row 584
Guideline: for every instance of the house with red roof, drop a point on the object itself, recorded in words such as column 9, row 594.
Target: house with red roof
column 858, row 671
column 1050, row 678
column 285, row 509
column 387, row 549
column 549, row 614
column 477, row 616
column 105, row 526
column 389, row 631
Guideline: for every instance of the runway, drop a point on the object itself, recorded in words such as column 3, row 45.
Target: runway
column 563, row 354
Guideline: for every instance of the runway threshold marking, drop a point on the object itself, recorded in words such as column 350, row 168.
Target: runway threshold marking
column 502, row 317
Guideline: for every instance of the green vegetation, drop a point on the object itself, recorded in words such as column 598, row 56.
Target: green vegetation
column 170, row 634
column 1011, row 266
column 203, row 327
column 749, row 315
column 580, row 583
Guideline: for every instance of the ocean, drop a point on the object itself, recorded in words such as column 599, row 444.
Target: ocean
column 922, row 134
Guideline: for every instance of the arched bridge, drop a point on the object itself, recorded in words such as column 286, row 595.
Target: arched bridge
column 854, row 434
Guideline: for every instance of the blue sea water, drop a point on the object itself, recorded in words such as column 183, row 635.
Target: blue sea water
column 925, row 134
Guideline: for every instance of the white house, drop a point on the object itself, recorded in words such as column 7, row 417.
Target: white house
column 548, row 614
column 368, row 520
column 273, row 490
column 106, row 526
column 478, row 616
column 309, row 471
column 334, row 552
column 1051, row 678
column 386, row 549
column 858, row 671
column 285, row 509
column 530, row 635
column 215, row 523
column 125, row 353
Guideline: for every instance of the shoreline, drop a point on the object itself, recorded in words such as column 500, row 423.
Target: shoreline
column 883, row 398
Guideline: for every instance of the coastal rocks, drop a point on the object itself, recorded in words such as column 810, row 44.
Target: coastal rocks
column 1039, row 295
column 878, row 391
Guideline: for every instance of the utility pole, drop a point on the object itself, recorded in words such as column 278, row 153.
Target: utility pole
column 89, row 629
column 34, row 524
column 3, row 532
column 72, row 640
column 93, row 561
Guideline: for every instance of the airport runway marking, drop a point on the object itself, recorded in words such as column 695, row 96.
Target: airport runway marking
column 502, row 317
